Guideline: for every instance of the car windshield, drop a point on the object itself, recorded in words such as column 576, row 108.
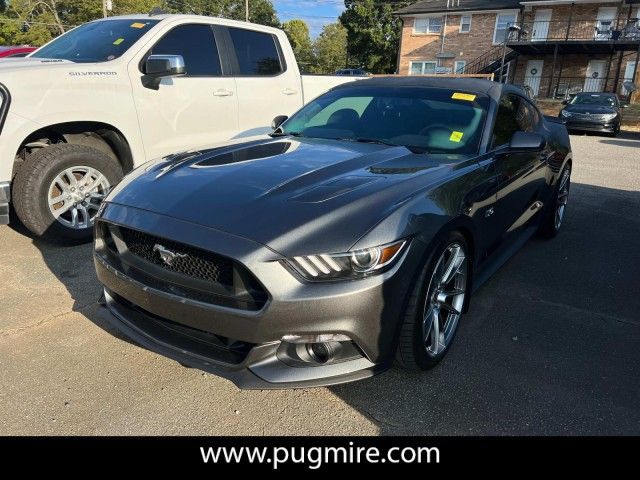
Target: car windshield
column 93, row 42
column 594, row 99
column 434, row 120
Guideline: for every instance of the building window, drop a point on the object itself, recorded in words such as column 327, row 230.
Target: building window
column 459, row 66
column 422, row 68
column 503, row 21
column 465, row 23
column 427, row 25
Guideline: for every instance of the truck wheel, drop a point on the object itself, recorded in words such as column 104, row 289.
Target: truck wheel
column 58, row 189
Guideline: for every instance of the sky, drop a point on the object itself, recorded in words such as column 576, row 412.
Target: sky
column 315, row 12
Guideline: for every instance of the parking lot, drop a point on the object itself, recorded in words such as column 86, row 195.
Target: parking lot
column 551, row 345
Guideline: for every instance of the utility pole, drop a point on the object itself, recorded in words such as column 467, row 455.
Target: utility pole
column 104, row 8
column 246, row 10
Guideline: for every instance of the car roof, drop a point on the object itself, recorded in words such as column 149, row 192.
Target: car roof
column 15, row 47
column 603, row 94
column 472, row 85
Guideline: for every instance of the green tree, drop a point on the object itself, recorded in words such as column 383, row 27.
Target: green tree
column 36, row 22
column 330, row 49
column 260, row 11
column 298, row 33
column 373, row 33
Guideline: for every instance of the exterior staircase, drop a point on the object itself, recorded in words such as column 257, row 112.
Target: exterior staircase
column 491, row 62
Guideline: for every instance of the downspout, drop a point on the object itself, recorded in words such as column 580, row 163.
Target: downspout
column 444, row 36
column 399, row 56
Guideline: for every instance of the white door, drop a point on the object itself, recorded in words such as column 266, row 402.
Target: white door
column 605, row 22
column 533, row 75
column 628, row 76
column 266, row 88
column 189, row 111
column 541, row 25
column 596, row 72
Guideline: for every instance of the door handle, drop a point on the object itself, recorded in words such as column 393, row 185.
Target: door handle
column 289, row 91
column 223, row 93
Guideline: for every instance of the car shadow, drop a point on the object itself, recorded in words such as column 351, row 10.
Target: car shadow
column 624, row 139
column 550, row 345
column 72, row 265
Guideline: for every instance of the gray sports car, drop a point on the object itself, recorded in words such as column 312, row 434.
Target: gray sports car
column 350, row 237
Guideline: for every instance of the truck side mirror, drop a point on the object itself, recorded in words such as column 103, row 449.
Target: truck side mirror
column 158, row 67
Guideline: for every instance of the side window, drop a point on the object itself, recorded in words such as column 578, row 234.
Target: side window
column 506, row 121
column 257, row 52
column 197, row 45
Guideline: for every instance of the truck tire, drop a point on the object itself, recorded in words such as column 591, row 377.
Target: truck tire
column 57, row 190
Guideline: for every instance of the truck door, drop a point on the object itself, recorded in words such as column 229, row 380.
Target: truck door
column 267, row 85
column 189, row 111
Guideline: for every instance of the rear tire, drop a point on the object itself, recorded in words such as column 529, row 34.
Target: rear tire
column 52, row 173
column 438, row 295
column 554, row 215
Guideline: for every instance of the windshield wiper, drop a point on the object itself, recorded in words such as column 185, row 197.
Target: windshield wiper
column 284, row 134
column 377, row 141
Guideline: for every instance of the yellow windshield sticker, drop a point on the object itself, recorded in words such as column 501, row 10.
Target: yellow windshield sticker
column 118, row 41
column 463, row 96
column 138, row 25
column 456, row 137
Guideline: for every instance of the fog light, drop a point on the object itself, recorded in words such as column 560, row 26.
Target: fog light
column 321, row 338
column 322, row 352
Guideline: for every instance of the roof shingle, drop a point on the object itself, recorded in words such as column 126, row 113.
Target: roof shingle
column 437, row 6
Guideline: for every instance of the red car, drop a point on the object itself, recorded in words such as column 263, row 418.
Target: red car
column 12, row 52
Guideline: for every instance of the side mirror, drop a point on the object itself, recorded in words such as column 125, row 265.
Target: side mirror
column 158, row 67
column 565, row 102
column 527, row 142
column 279, row 120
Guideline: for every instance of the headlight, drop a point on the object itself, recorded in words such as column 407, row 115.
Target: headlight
column 609, row 116
column 564, row 113
column 356, row 264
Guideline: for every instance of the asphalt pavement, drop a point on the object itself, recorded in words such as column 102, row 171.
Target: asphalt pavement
column 551, row 345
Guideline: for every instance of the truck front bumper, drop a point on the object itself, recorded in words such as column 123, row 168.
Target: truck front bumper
column 5, row 197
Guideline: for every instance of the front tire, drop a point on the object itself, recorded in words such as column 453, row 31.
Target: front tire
column 435, row 305
column 57, row 190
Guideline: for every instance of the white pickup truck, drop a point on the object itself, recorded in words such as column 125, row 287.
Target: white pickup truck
column 85, row 109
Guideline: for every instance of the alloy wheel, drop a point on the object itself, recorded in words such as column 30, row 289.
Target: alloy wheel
column 445, row 298
column 563, row 197
column 75, row 195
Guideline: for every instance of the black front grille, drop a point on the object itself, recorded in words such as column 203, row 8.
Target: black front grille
column 189, row 261
column 190, row 272
column 205, row 344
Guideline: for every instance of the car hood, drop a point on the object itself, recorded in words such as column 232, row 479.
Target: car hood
column 14, row 64
column 594, row 109
column 289, row 194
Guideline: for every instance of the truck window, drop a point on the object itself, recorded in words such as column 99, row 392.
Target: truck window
column 198, row 48
column 256, row 52
column 98, row 41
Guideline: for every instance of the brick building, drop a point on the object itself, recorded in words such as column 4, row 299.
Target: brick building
column 555, row 47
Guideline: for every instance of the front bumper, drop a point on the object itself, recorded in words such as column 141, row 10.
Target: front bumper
column 367, row 311
column 603, row 127
column 5, row 198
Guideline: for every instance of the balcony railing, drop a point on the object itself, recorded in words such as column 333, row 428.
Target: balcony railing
column 566, row 87
column 567, row 30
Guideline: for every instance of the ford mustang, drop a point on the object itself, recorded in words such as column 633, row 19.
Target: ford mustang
column 348, row 239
